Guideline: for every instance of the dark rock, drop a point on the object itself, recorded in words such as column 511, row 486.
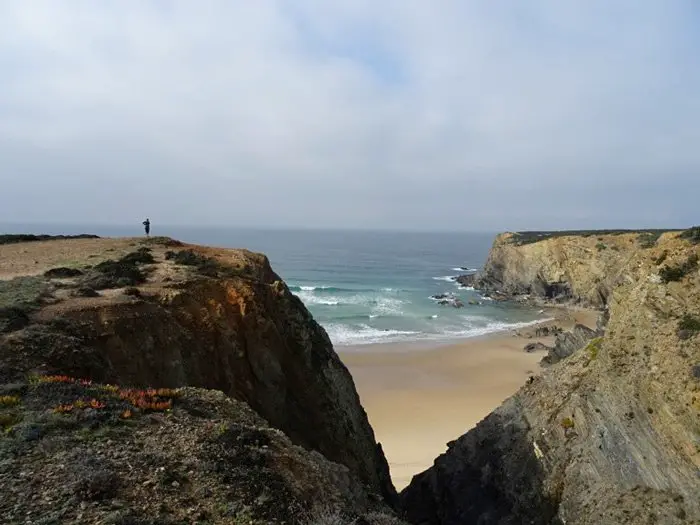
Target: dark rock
column 568, row 342
column 467, row 281
column 684, row 335
column 532, row 347
column 488, row 476
column 696, row 371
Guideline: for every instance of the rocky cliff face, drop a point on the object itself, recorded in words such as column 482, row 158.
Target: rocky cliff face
column 215, row 319
column 611, row 434
column 581, row 269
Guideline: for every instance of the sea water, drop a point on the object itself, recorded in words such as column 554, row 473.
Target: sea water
column 364, row 286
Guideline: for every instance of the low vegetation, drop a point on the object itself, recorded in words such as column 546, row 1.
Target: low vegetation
column 567, row 424
column 689, row 322
column 528, row 237
column 124, row 272
column 649, row 239
column 661, row 258
column 62, row 273
column 18, row 298
column 691, row 234
column 204, row 265
column 593, row 348
column 601, row 246
column 162, row 241
column 676, row 273
column 25, row 237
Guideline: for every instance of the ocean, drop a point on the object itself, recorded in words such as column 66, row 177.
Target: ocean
column 363, row 287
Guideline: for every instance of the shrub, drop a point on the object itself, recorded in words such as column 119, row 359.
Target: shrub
column 690, row 323
column 163, row 241
column 601, row 246
column 121, row 273
column 85, row 291
column 141, row 256
column 132, row 292
column 62, row 272
column 594, row 347
column 205, row 265
column 691, row 234
column 567, row 423
column 676, row 273
column 12, row 319
column 661, row 258
column 9, row 401
column 649, row 239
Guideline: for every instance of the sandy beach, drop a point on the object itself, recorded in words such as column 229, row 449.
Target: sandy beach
column 420, row 397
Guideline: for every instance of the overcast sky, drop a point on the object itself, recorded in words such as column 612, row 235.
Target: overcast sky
column 472, row 115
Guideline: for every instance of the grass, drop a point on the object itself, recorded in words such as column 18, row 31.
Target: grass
column 676, row 273
column 528, row 237
column 25, row 237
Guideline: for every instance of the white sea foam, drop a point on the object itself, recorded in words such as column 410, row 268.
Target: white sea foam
column 463, row 269
column 363, row 334
column 447, row 278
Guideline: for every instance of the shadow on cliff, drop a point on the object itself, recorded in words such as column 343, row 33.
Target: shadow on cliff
column 489, row 476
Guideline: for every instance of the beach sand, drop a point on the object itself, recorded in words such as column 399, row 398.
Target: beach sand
column 419, row 397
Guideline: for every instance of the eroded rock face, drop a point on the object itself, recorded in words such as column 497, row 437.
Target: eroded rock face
column 245, row 335
column 569, row 342
column 561, row 269
column 610, row 435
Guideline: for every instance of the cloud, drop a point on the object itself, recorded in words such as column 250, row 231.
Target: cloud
column 445, row 114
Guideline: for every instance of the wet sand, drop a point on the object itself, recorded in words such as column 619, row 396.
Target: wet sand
column 418, row 397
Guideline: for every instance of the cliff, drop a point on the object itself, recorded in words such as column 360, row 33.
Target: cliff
column 609, row 435
column 164, row 315
column 582, row 268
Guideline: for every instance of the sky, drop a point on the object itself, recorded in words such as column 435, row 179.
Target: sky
column 400, row 114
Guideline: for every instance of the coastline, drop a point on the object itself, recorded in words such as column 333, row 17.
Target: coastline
column 420, row 395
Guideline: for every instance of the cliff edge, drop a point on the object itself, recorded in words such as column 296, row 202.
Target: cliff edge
column 609, row 435
column 157, row 313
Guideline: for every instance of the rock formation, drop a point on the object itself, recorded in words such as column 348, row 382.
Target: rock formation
column 580, row 269
column 611, row 434
column 567, row 343
column 165, row 316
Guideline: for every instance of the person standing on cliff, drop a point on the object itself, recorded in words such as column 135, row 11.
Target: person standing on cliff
column 147, row 226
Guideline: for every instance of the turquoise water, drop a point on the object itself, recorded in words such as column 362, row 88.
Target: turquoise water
column 365, row 287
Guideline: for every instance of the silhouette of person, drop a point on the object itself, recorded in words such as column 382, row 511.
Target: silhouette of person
column 147, row 226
